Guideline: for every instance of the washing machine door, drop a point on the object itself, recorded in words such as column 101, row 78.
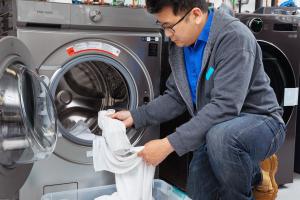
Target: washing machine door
column 281, row 74
column 28, row 119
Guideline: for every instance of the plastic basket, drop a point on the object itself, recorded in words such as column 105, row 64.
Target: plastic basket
column 161, row 191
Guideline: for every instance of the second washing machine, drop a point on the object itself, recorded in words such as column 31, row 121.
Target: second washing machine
column 278, row 37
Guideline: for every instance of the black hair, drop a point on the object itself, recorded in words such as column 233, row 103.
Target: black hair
column 180, row 7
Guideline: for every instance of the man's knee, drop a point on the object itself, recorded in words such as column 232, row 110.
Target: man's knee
column 220, row 137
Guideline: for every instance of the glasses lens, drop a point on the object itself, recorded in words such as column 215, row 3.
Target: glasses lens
column 170, row 30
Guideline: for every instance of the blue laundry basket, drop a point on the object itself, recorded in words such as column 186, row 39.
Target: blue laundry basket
column 161, row 191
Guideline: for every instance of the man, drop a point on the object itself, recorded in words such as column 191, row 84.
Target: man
column 218, row 76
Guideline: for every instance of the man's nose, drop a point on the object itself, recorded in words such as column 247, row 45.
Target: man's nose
column 168, row 33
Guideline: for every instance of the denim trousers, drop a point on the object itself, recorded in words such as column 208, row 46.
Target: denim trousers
column 227, row 165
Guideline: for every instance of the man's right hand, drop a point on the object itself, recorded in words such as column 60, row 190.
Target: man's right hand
column 124, row 116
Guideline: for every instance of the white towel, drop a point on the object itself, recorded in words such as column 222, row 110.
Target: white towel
column 82, row 131
column 133, row 177
column 114, row 132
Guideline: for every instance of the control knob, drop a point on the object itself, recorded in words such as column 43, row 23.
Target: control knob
column 256, row 25
column 95, row 15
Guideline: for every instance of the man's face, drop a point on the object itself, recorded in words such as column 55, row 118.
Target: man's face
column 185, row 31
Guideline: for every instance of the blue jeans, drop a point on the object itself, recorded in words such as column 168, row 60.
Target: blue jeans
column 227, row 166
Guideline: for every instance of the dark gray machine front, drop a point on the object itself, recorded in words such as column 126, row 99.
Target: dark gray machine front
column 278, row 36
column 278, row 10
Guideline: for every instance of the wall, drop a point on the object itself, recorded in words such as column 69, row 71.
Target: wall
column 250, row 6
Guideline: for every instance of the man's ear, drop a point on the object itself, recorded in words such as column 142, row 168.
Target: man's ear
column 196, row 15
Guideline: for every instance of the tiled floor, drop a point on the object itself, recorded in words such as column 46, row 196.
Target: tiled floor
column 290, row 191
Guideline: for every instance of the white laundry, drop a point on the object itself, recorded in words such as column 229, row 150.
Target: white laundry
column 114, row 131
column 133, row 177
column 82, row 131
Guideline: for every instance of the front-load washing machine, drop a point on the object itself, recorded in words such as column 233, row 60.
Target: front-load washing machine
column 91, row 58
column 278, row 37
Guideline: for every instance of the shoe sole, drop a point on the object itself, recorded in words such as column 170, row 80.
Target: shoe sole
column 274, row 164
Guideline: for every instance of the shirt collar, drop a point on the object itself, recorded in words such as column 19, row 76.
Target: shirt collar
column 205, row 32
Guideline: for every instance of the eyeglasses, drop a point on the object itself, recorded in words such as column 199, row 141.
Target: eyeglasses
column 170, row 29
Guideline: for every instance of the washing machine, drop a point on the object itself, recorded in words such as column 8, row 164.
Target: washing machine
column 91, row 58
column 279, row 39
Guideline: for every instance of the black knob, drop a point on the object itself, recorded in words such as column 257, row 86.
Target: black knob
column 256, row 25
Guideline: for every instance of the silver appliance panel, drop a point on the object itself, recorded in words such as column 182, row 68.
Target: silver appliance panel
column 38, row 12
column 112, row 18
column 81, row 16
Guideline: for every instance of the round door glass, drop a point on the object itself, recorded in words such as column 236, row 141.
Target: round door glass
column 28, row 119
column 84, row 90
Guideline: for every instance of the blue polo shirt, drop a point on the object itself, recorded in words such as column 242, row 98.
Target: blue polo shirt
column 194, row 57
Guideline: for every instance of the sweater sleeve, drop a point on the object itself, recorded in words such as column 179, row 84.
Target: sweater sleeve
column 161, row 109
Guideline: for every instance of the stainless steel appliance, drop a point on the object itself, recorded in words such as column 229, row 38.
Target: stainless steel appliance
column 91, row 57
column 278, row 37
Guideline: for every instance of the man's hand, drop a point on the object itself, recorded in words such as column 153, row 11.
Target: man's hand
column 124, row 116
column 156, row 151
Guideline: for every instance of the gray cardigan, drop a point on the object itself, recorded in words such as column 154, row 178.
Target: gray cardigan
column 232, row 80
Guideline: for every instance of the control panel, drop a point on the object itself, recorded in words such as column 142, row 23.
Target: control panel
column 74, row 14
column 110, row 17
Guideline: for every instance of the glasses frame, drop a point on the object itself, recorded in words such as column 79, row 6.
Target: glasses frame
column 171, row 27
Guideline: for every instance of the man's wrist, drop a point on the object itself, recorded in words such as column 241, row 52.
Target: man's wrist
column 169, row 147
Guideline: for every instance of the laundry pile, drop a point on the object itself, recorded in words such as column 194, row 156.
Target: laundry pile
column 113, row 152
column 79, row 129
column 82, row 131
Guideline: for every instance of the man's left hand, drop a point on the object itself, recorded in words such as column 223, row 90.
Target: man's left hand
column 156, row 151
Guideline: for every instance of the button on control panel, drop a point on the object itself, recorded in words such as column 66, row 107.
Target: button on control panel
column 256, row 25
